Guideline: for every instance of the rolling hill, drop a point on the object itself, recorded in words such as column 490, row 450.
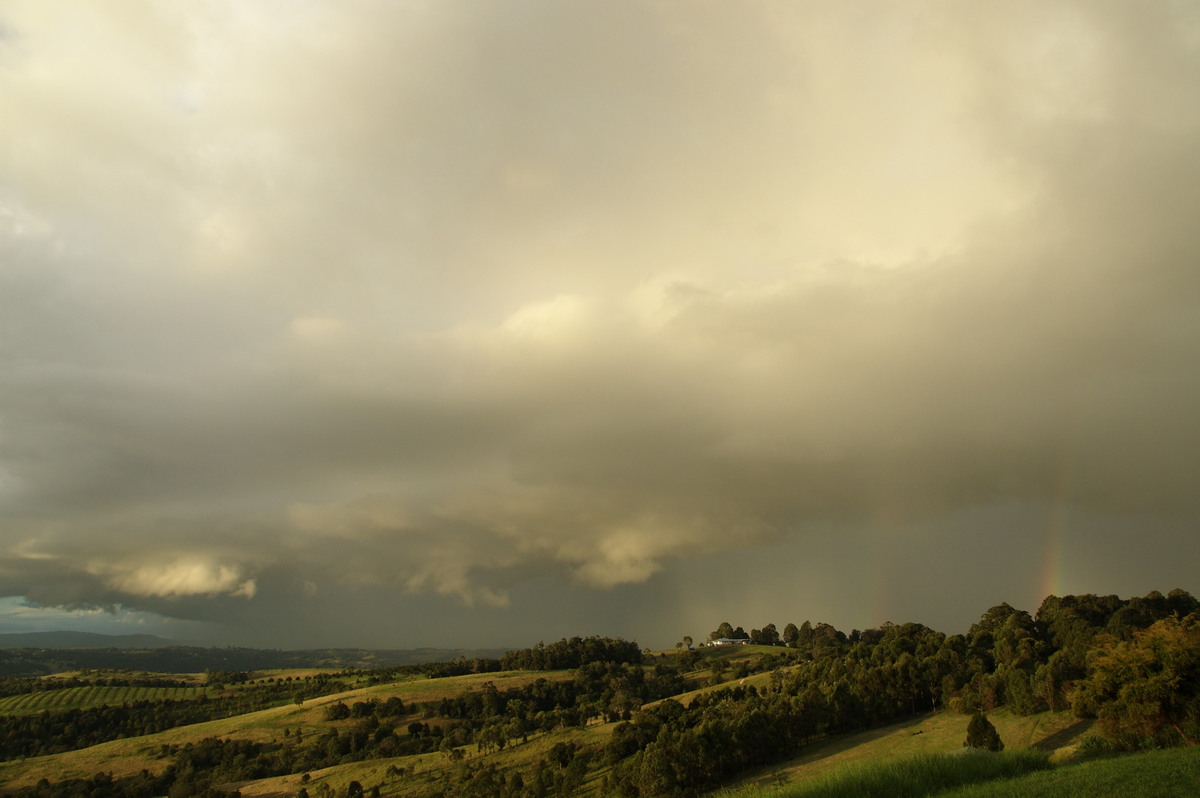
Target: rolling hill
column 598, row 716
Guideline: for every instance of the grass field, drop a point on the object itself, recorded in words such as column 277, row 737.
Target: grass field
column 92, row 696
column 1155, row 774
column 1015, row 774
column 910, row 777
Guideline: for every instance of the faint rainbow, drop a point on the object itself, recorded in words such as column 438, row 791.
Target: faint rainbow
column 1053, row 581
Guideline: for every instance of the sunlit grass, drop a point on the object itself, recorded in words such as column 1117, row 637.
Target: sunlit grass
column 912, row 777
column 938, row 733
column 90, row 696
column 1155, row 774
column 1011, row 774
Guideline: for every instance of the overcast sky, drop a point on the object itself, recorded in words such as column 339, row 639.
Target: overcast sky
column 452, row 323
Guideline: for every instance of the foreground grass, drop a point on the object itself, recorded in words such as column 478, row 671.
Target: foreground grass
column 1155, row 774
column 1012, row 774
column 1055, row 733
column 912, row 777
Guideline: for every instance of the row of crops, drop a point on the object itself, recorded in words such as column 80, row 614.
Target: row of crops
column 93, row 696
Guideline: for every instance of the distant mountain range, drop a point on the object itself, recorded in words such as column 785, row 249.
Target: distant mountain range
column 81, row 640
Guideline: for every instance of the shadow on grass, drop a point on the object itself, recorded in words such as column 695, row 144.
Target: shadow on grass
column 1064, row 737
column 778, row 773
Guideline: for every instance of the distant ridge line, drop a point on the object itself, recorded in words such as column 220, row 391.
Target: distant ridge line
column 27, row 654
column 67, row 639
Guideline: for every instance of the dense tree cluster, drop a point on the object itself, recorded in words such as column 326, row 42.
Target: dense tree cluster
column 563, row 655
column 434, row 670
column 227, row 677
column 1145, row 691
column 573, row 653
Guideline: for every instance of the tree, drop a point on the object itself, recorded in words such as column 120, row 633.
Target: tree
column 561, row 754
column 448, row 749
column 659, row 773
column 1019, row 694
column 724, row 630
column 805, row 636
column 982, row 734
column 791, row 634
column 767, row 636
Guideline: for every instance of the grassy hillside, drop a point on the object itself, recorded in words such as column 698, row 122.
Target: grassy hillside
column 428, row 774
column 1023, row 774
column 93, row 696
column 132, row 755
column 1054, row 733
column 1173, row 773
column 413, row 775
column 1048, row 733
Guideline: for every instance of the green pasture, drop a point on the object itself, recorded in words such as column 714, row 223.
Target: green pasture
column 90, row 696
column 910, row 777
column 1010, row 774
column 1155, row 774
column 1055, row 733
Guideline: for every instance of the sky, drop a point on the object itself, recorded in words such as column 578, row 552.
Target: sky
column 400, row 324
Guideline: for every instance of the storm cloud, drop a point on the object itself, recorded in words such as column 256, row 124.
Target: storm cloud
column 442, row 305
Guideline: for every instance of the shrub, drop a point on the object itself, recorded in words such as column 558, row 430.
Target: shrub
column 982, row 734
